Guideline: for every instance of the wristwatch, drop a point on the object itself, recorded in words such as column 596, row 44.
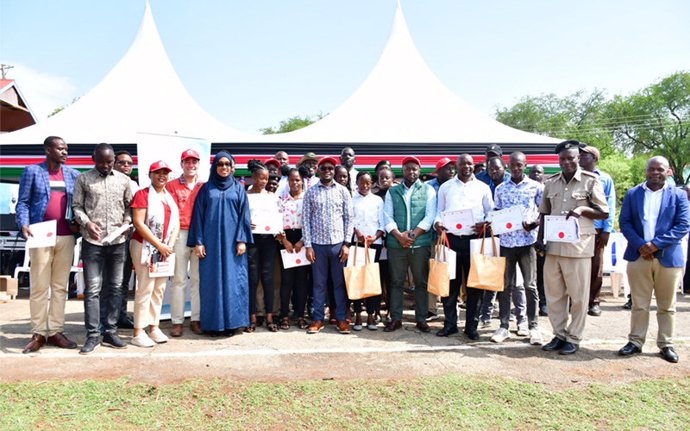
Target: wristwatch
column 412, row 235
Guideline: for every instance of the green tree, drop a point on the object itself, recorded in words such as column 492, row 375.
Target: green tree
column 291, row 124
column 656, row 121
column 62, row 107
column 577, row 116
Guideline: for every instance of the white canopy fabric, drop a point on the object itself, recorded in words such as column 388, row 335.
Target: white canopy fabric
column 403, row 101
column 141, row 94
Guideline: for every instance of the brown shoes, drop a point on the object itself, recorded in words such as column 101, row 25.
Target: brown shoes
column 176, row 330
column 60, row 340
column 37, row 341
column 195, row 326
column 343, row 327
column 315, row 327
column 393, row 325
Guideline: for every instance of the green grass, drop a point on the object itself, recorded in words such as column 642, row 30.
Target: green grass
column 444, row 403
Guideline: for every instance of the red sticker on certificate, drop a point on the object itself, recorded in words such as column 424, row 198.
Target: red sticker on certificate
column 458, row 226
column 49, row 234
column 509, row 225
column 298, row 261
column 561, row 235
column 267, row 228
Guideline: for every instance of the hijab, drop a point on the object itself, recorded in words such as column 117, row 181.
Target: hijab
column 218, row 181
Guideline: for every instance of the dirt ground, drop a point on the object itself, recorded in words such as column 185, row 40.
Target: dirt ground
column 294, row 355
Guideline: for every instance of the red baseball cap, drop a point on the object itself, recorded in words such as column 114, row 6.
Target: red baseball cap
column 187, row 154
column 331, row 160
column 157, row 166
column 442, row 162
column 272, row 162
column 409, row 159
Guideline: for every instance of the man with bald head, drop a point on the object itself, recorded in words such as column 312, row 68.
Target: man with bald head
column 654, row 218
column 463, row 192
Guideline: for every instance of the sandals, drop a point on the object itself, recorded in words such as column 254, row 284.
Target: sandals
column 284, row 324
column 251, row 327
column 302, row 323
column 272, row 326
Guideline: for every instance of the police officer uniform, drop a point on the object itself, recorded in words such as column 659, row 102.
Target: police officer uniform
column 567, row 268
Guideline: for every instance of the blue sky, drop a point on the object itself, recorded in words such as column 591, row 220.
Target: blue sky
column 253, row 63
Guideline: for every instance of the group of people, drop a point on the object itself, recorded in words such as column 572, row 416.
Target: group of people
column 209, row 232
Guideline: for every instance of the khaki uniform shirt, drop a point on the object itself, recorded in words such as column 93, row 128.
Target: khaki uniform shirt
column 559, row 198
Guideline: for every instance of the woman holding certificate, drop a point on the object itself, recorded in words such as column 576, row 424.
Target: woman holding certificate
column 219, row 231
column 156, row 220
column 264, row 207
column 293, row 281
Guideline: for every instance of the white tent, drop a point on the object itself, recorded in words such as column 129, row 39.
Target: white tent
column 142, row 94
column 403, row 101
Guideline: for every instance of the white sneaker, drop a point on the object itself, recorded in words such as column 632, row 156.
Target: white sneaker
column 500, row 335
column 142, row 340
column 523, row 330
column 158, row 336
column 535, row 338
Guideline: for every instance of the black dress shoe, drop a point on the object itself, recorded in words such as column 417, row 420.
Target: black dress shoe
column 37, row 341
column 628, row 305
column 423, row 327
column 393, row 325
column 446, row 332
column 553, row 345
column 629, row 349
column 669, row 354
column 472, row 334
column 543, row 311
column 594, row 310
column 568, row 348
column 112, row 340
column 90, row 345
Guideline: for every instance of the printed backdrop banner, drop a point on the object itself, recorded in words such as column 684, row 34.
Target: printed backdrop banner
column 151, row 148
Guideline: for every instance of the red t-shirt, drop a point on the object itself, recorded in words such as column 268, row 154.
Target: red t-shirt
column 57, row 204
column 141, row 200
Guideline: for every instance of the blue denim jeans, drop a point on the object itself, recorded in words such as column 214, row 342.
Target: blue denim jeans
column 103, row 268
column 328, row 262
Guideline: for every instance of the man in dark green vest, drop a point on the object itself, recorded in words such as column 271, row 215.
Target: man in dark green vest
column 408, row 212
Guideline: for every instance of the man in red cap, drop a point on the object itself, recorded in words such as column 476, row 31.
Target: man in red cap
column 184, row 190
column 327, row 226
column 408, row 213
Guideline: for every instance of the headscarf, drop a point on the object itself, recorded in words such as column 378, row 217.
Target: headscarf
column 218, row 181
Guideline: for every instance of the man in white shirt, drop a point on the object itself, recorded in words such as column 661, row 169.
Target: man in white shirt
column 347, row 160
column 462, row 192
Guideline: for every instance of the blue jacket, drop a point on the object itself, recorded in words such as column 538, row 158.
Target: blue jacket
column 34, row 192
column 673, row 223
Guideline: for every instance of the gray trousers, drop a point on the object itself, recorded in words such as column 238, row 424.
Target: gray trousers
column 526, row 258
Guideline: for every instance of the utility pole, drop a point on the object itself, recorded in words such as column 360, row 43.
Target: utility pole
column 4, row 68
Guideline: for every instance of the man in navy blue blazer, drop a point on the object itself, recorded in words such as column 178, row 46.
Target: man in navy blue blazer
column 654, row 218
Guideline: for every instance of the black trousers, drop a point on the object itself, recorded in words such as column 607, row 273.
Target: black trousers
column 461, row 245
column 261, row 257
column 294, row 283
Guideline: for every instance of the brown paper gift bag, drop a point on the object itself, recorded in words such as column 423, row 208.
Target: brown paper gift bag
column 439, row 275
column 486, row 272
column 362, row 281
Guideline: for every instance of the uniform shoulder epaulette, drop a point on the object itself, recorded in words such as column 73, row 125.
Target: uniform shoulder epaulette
column 548, row 177
column 590, row 174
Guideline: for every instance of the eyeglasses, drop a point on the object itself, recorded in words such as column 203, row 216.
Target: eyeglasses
column 223, row 164
column 125, row 162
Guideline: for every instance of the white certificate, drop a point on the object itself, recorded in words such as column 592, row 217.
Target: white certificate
column 558, row 229
column 44, row 234
column 265, row 214
column 360, row 256
column 116, row 234
column 459, row 222
column 506, row 220
column 292, row 260
column 161, row 268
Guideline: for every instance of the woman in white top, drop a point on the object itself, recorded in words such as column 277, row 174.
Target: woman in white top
column 368, row 220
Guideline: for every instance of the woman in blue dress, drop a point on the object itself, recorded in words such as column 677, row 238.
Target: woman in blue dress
column 219, row 232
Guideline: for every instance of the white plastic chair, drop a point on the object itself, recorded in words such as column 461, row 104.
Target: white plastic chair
column 25, row 265
column 77, row 257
